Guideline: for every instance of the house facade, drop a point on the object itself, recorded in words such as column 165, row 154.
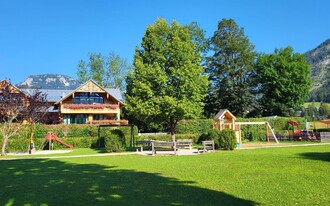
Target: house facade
column 88, row 104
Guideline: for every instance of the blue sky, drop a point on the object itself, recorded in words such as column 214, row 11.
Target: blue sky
column 51, row 36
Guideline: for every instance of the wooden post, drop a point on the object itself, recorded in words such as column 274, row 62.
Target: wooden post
column 267, row 132
column 153, row 151
column 50, row 142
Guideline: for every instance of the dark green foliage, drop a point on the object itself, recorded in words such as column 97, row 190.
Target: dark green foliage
column 203, row 137
column 230, row 69
column 324, row 111
column 283, row 82
column 114, row 140
column 213, row 134
column 227, row 139
column 194, row 126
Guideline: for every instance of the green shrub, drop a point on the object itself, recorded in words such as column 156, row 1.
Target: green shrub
column 114, row 141
column 227, row 139
column 194, row 126
column 203, row 137
column 211, row 135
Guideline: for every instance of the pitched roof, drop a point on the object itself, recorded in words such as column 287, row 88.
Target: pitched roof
column 116, row 94
column 11, row 86
column 226, row 113
column 55, row 95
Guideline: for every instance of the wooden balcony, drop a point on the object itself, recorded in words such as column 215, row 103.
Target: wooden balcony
column 108, row 122
column 89, row 108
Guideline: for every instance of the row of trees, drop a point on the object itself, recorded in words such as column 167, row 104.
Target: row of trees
column 178, row 73
column 313, row 112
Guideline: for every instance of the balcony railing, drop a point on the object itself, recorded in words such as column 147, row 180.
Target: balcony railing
column 90, row 106
column 108, row 122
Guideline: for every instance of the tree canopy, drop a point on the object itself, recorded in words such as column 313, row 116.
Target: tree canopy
column 167, row 83
column 230, row 69
column 108, row 71
column 283, row 81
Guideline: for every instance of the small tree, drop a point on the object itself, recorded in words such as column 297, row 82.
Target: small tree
column 15, row 107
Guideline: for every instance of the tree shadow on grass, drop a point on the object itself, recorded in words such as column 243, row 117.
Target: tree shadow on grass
column 53, row 182
column 323, row 156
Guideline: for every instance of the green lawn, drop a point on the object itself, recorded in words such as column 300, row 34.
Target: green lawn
column 273, row 176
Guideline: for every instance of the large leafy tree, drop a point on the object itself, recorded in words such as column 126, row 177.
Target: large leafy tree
column 283, row 81
column 167, row 84
column 108, row 71
column 230, row 68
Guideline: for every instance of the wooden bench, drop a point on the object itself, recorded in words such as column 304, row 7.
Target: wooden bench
column 162, row 146
column 184, row 142
column 143, row 144
column 207, row 146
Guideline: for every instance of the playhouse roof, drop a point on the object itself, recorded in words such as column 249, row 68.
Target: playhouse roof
column 224, row 113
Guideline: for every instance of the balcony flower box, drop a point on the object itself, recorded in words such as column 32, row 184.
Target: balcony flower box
column 90, row 106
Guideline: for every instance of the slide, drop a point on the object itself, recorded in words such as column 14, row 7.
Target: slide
column 50, row 136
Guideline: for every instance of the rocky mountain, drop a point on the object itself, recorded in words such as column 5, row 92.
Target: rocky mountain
column 48, row 81
column 319, row 59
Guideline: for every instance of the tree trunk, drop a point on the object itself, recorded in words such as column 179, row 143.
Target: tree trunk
column 4, row 144
column 172, row 131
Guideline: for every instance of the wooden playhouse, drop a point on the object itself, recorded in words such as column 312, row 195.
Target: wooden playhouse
column 224, row 119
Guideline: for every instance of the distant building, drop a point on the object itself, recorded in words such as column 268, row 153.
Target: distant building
column 89, row 103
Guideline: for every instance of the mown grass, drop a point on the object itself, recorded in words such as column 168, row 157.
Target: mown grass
column 273, row 176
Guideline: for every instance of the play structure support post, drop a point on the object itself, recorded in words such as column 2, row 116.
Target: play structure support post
column 50, row 142
column 267, row 132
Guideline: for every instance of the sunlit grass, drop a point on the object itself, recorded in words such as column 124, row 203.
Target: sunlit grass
column 273, row 176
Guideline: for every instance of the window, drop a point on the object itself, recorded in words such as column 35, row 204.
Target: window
column 75, row 119
column 98, row 117
column 88, row 98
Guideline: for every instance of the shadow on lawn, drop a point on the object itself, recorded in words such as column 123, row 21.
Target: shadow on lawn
column 53, row 182
column 324, row 156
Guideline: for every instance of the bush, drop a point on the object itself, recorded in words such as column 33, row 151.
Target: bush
column 194, row 126
column 114, row 141
column 211, row 135
column 227, row 139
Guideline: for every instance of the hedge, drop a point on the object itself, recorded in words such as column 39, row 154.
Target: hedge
column 194, row 126
column 114, row 140
column 167, row 137
column 80, row 136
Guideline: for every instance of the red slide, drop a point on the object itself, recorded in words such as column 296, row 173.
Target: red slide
column 50, row 136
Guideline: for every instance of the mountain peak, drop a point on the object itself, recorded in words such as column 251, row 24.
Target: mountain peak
column 48, row 81
column 319, row 60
